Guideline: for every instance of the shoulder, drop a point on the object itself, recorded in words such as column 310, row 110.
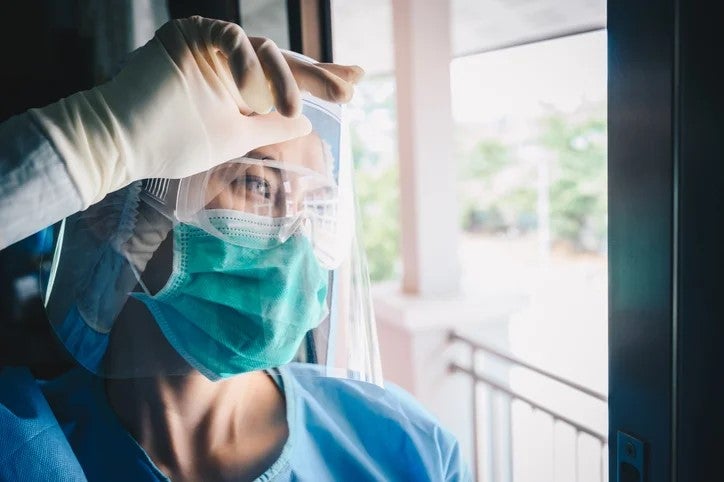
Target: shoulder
column 387, row 423
column 29, row 431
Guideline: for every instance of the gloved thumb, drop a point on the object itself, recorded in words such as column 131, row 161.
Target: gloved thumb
column 272, row 128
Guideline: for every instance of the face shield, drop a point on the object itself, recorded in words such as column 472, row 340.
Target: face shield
column 247, row 266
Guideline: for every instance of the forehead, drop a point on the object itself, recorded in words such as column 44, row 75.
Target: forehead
column 307, row 151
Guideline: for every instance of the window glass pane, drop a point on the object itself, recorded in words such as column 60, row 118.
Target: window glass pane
column 362, row 34
column 373, row 126
column 266, row 18
column 531, row 143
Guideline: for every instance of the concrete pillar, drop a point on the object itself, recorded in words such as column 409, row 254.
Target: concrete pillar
column 428, row 174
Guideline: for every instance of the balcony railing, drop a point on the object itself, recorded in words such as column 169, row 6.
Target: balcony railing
column 499, row 450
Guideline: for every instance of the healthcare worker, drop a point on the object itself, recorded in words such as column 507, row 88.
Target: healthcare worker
column 206, row 278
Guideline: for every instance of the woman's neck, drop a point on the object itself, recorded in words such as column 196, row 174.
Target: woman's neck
column 196, row 429
column 191, row 428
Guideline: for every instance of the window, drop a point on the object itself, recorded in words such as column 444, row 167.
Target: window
column 530, row 126
column 373, row 126
column 530, row 146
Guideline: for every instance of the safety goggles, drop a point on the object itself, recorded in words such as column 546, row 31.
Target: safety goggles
column 294, row 193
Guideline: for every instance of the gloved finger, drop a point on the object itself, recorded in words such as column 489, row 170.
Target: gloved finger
column 287, row 98
column 246, row 70
column 349, row 73
column 320, row 82
column 273, row 128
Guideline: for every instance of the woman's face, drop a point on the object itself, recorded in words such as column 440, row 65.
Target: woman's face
column 264, row 190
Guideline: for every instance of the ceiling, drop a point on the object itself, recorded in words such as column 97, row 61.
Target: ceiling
column 482, row 25
column 363, row 29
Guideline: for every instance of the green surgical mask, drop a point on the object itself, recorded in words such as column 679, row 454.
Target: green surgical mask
column 234, row 307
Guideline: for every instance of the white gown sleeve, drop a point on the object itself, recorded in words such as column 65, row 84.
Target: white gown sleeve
column 35, row 188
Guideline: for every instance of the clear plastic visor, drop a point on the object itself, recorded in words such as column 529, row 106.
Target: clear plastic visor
column 243, row 267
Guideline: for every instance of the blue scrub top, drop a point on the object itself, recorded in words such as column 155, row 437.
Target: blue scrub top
column 339, row 429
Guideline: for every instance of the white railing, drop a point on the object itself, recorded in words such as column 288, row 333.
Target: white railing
column 496, row 431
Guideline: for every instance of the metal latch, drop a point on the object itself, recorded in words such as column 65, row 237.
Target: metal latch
column 629, row 458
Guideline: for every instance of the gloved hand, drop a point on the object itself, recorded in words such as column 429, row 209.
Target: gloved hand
column 188, row 100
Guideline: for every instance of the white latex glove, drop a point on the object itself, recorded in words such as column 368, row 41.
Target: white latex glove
column 186, row 101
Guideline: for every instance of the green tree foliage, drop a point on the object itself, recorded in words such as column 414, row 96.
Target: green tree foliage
column 377, row 192
column 486, row 208
column 578, row 188
column 487, row 159
column 376, row 176
column 499, row 181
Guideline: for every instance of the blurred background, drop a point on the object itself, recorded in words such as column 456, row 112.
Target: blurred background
column 479, row 139
column 520, row 268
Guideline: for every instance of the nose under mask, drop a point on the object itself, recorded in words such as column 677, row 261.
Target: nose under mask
column 242, row 303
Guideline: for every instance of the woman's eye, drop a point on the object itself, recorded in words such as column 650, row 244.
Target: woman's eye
column 257, row 186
